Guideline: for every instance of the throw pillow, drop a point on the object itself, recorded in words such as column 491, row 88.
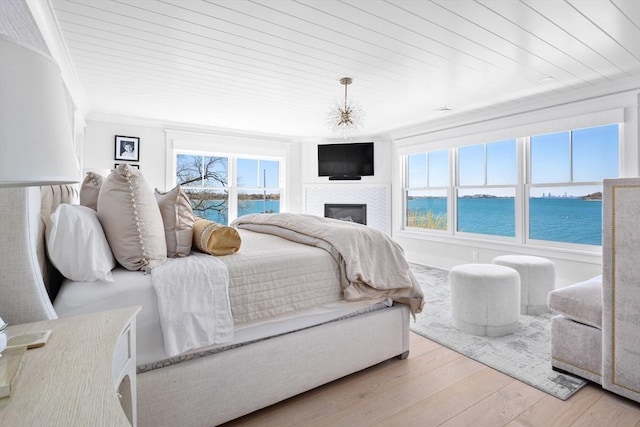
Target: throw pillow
column 77, row 245
column 131, row 219
column 215, row 239
column 90, row 189
column 178, row 220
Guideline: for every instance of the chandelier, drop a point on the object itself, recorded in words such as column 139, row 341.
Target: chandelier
column 346, row 118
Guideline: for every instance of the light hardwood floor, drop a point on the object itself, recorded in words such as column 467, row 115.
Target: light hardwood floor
column 436, row 386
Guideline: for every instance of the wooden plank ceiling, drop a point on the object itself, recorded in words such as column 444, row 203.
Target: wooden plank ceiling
column 274, row 65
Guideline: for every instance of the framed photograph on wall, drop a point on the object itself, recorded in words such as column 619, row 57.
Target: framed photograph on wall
column 115, row 166
column 127, row 148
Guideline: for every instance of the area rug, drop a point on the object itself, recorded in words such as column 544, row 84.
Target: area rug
column 523, row 355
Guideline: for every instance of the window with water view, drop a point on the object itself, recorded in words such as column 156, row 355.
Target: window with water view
column 486, row 188
column 565, row 194
column 205, row 179
column 258, row 186
column 563, row 186
column 426, row 192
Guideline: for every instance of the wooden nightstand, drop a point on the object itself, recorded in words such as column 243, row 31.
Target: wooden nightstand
column 84, row 375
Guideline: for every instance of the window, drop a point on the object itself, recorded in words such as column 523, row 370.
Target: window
column 258, row 184
column 565, row 191
column 426, row 193
column 205, row 179
column 487, row 178
column 557, row 199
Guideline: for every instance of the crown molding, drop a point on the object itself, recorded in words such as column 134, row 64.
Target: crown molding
column 186, row 128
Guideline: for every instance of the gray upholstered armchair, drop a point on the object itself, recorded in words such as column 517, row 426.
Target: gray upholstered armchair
column 596, row 334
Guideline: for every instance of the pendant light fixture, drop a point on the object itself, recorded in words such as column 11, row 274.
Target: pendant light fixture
column 347, row 117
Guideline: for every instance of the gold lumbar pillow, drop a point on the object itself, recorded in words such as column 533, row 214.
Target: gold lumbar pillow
column 215, row 239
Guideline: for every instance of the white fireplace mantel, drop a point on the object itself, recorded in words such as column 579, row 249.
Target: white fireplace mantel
column 377, row 197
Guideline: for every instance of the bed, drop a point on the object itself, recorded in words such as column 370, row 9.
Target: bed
column 271, row 357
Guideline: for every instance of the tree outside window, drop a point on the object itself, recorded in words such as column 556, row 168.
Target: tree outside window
column 205, row 179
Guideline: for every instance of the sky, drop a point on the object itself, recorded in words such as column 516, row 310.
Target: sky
column 595, row 156
column 251, row 173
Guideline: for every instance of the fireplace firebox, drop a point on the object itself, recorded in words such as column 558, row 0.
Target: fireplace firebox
column 347, row 212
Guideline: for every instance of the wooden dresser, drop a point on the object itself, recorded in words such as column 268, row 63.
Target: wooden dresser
column 84, row 375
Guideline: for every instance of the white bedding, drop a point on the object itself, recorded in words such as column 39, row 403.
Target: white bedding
column 305, row 281
column 134, row 288
column 371, row 263
column 271, row 276
column 193, row 302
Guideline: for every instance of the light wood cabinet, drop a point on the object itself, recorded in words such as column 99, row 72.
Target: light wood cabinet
column 84, row 375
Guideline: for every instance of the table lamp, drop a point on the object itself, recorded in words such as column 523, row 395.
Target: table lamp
column 36, row 148
column 36, row 140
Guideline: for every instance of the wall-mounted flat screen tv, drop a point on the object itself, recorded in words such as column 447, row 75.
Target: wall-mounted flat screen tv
column 345, row 161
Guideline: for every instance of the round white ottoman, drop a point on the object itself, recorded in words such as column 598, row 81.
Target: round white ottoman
column 485, row 299
column 537, row 279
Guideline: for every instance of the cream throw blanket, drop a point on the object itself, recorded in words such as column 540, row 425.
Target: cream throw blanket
column 372, row 264
column 193, row 302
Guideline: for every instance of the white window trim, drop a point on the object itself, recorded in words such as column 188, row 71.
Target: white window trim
column 494, row 123
column 232, row 146
column 405, row 175
column 521, row 238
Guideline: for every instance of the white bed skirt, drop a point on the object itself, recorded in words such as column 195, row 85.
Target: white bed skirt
column 251, row 377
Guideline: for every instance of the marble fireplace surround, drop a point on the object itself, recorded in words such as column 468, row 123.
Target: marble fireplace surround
column 377, row 197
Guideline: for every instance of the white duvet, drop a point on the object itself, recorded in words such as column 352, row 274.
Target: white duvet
column 273, row 282
column 372, row 264
column 193, row 302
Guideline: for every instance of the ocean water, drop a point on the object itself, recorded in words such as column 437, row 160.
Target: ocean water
column 564, row 220
column 245, row 207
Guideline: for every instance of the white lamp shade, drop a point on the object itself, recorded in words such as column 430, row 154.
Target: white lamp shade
column 36, row 139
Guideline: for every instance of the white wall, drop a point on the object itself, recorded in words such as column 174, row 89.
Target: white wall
column 447, row 251
column 99, row 149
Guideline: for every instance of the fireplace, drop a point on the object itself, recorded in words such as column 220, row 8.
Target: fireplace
column 347, row 212
column 376, row 196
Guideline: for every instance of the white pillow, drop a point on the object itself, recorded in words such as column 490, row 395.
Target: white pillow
column 77, row 245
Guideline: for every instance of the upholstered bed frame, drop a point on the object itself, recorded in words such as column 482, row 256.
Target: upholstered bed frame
column 208, row 390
